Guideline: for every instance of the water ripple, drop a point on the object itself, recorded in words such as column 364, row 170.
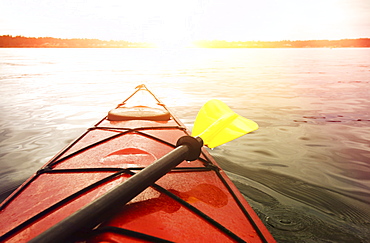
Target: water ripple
column 339, row 207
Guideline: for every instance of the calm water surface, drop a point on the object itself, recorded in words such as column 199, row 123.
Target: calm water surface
column 306, row 171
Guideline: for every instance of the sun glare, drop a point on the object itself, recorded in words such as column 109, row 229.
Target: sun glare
column 172, row 44
column 175, row 24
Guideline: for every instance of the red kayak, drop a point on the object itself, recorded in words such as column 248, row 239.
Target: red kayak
column 193, row 202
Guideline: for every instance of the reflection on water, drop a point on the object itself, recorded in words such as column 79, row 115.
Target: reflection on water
column 306, row 168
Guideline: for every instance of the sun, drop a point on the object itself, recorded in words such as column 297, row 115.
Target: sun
column 172, row 43
column 170, row 33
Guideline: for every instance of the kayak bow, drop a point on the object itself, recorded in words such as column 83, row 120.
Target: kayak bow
column 80, row 195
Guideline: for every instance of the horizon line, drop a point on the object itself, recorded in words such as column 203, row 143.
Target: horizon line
column 153, row 41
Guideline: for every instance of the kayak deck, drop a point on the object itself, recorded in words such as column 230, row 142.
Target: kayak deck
column 195, row 202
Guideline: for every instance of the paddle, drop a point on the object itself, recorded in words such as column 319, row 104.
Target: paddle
column 215, row 124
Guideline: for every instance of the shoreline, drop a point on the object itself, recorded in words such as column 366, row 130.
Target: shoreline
column 8, row 41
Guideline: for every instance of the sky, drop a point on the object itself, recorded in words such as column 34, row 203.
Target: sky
column 171, row 21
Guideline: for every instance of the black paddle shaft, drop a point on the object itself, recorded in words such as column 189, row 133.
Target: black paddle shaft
column 188, row 148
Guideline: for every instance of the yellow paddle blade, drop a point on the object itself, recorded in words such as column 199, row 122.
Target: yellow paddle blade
column 217, row 124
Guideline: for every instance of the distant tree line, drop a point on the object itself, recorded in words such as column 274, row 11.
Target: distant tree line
column 49, row 42
column 362, row 42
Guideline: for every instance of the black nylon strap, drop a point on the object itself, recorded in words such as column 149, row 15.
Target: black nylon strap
column 130, row 233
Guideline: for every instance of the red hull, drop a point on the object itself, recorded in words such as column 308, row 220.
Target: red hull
column 195, row 202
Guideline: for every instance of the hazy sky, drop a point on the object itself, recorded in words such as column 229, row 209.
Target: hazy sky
column 187, row 20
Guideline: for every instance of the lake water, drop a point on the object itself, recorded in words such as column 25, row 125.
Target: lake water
column 306, row 171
